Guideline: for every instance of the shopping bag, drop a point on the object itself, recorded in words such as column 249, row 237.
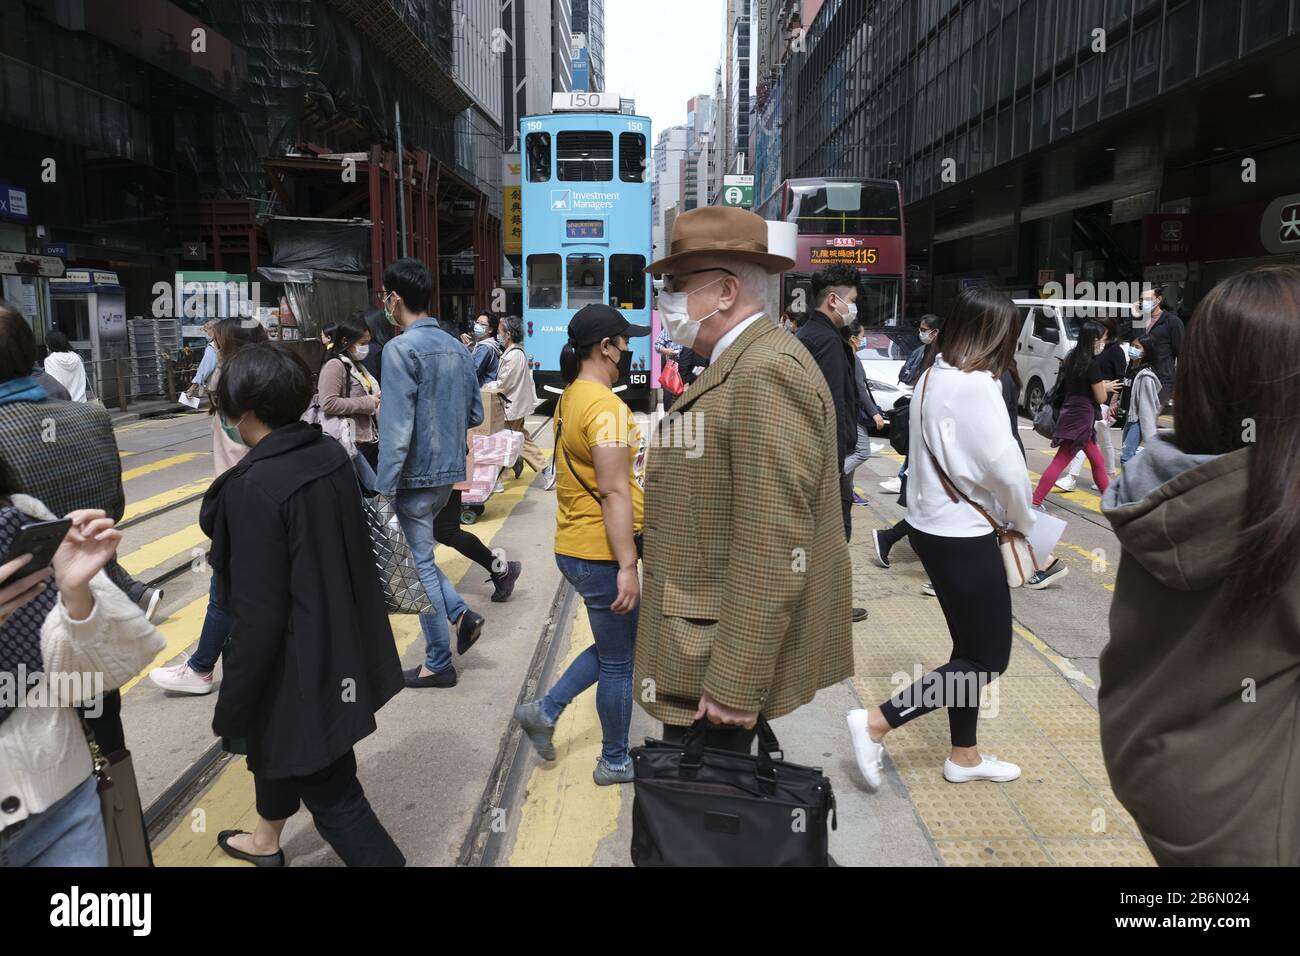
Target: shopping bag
column 670, row 379
column 403, row 591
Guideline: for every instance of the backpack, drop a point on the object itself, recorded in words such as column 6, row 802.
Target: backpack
column 899, row 426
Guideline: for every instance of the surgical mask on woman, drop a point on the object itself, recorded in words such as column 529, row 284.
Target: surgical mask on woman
column 1134, row 353
column 232, row 431
column 676, row 315
column 480, row 331
column 361, row 351
column 1099, row 348
column 927, row 337
column 1148, row 306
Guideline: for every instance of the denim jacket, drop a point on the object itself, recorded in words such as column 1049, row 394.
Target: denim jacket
column 431, row 400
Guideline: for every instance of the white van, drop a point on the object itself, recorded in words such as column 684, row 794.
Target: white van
column 1047, row 335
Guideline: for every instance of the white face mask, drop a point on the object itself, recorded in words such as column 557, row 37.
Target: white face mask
column 926, row 337
column 675, row 312
column 361, row 351
column 852, row 312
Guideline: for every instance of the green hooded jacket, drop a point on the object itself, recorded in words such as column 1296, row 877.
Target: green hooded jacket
column 1200, row 724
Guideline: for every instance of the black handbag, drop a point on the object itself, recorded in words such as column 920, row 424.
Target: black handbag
column 699, row 806
column 900, row 425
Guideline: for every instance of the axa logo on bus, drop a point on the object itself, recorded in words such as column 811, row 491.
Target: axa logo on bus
column 567, row 199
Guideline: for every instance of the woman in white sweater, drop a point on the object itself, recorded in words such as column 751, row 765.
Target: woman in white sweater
column 62, row 642
column 961, row 452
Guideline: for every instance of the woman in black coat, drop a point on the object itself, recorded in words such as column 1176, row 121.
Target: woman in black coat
column 311, row 656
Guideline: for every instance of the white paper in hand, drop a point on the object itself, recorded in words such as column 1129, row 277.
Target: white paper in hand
column 1046, row 533
column 186, row 400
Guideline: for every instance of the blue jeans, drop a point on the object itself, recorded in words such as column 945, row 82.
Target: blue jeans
column 416, row 510
column 69, row 833
column 365, row 474
column 607, row 663
column 1132, row 439
column 212, row 639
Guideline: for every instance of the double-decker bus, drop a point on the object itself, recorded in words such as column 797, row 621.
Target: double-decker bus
column 585, row 191
column 854, row 222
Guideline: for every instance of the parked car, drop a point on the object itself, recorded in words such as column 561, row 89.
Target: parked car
column 1048, row 333
column 884, row 351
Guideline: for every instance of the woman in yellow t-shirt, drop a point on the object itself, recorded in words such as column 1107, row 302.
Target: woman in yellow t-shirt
column 599, row 466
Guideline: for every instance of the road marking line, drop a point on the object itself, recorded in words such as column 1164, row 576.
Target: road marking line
column 180, row 630
column 162, row 500
column 230, row 799
column 161, row 550
column 1062, row 664
column 566, row 814
column 162, row 464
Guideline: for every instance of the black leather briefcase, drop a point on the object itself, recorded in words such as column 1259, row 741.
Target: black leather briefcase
column 698, row 806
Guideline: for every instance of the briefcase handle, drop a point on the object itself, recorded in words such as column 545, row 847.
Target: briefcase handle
column 768, row 748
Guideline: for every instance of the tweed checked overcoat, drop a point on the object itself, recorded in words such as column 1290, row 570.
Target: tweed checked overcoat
column 751, row 602
column 64, row 454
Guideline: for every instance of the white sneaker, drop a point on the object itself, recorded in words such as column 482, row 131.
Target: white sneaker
column 869, row 754
column 1067, row 482
column 877, row 447
column 155, row 596
column 989, row 768
column 548, row 477
column 182, row 679
column 893, row 486
column 928, row 589
column 499, row 489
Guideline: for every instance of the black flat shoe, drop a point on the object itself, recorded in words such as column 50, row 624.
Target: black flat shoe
column 445, row 678
column 505, row 581
column 257, row 859
column 469, row 630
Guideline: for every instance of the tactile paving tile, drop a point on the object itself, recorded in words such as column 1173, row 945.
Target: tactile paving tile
column 1042, row 723
column 967, row 811
column 1086, row 758
column 1058, row 811
column 1097, row 852
column 992, row 853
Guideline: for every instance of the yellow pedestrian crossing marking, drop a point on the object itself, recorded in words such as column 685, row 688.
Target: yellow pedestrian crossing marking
column 160, row 551
column 165, row 498
column 567, row 814
column 162, row 464
column 180, row 630
column 230, row 802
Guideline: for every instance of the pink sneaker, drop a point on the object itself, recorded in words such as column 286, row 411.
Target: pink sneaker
column 182, row 679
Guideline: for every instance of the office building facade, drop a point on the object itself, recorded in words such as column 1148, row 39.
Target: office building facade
column 1108, row 140
column 588, row 19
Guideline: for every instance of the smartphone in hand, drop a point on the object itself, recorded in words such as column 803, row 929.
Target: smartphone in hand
column 40, row 539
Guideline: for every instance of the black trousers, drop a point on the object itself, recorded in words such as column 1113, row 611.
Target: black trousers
column 339, row 808
column 736, row 739
column 447, row 530
column 971, row 585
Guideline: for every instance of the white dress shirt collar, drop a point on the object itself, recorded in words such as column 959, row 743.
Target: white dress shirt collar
column 731, row 336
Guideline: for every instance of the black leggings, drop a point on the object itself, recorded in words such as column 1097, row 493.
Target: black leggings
column 971, row 585
column 447, row 530
column 891, row 536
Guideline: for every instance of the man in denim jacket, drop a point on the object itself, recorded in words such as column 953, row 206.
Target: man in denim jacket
column 431, row 399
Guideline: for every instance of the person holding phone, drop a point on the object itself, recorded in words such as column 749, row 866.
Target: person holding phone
column 67, row 634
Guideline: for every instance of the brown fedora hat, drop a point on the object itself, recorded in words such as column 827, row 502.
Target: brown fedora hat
column 724, row 231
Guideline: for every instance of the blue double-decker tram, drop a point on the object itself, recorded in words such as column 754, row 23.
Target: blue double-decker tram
column 585, row 191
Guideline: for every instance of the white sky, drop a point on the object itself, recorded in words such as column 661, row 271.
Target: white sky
column 662, row 52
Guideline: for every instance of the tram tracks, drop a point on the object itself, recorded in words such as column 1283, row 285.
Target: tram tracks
column 478, row 849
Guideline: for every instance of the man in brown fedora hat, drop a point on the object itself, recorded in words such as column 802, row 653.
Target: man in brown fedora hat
column 750, row 613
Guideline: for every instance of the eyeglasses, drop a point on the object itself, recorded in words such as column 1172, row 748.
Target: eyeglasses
column 671, row 281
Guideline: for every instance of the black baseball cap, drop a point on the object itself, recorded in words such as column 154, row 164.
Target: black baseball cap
column 598, row 321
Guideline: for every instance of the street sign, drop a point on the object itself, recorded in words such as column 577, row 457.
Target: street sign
column 19, row 264
column 13, row 202
column 738, row 191
column 56, row 249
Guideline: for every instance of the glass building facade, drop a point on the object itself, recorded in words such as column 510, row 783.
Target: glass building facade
column 1042, row 100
